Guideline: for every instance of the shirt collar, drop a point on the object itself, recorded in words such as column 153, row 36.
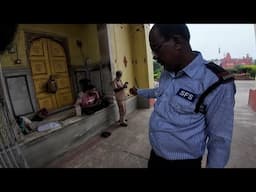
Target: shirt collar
column 192, row 67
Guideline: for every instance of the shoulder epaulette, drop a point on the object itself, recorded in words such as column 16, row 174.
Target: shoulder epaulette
column 223, row 77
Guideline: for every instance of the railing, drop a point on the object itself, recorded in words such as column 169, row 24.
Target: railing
column 10, row 153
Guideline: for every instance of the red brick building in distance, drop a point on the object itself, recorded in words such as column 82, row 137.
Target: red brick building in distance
column 228, row 62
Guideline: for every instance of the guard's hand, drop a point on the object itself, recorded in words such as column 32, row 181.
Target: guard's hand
column 133, row 91
column 125, row 84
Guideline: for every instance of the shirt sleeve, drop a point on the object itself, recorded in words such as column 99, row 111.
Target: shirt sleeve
column 148, row 93
column 220, row 122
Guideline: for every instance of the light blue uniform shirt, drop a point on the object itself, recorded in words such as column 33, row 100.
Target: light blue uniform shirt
column 176, row 131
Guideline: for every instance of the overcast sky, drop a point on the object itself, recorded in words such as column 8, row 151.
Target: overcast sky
column 237, row 39
column 215, row 40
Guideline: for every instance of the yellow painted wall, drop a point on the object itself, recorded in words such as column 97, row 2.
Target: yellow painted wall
column 143, row 64
column 8, row 59
column 126, row 40
column 140, row 66
column 121, row 47
column 73, row 32
column 149, row 57
column 132, row 41
column 91, row 43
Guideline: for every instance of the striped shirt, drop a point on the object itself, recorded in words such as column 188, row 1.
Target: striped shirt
column 176, row 131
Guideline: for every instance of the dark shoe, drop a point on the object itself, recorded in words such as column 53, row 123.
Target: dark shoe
column 125, row 120
column 123, row 125
column 105, row 134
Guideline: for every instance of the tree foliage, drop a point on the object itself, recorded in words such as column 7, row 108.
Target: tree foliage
column 251, row 69
column 157, row 70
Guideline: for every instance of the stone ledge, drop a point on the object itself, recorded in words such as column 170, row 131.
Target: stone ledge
column 53, row 143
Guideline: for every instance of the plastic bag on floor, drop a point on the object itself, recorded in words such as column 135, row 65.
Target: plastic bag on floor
column 48, row 126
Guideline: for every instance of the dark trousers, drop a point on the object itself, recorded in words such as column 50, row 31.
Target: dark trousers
column 156, row 162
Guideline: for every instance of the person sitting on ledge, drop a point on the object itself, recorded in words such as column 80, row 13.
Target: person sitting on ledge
column 89, row 100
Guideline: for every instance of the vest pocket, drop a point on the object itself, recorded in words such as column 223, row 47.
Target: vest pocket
column 182, row 106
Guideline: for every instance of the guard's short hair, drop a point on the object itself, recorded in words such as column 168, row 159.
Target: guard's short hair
column 168, row 30
column 7, row 32
column 84, row 84
column 90, row 87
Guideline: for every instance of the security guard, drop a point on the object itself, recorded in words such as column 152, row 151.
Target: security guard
column 178, row 133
